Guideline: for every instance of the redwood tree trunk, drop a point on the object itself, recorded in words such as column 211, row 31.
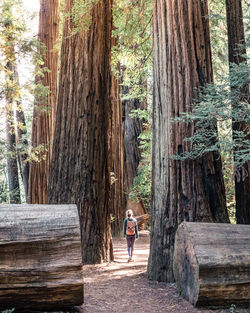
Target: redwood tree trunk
column 118, row 196
column 80, row 159
column 236, row 49
column 192, row 190
column 45, row 107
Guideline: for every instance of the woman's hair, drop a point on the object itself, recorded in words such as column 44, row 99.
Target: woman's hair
column 129, row 212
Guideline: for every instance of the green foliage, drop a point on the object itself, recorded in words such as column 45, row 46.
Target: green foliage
column 228, row 170
column 4, row 192
column 17, row 45
column 217, row 103
column 232, row 308
column 38, row 153
column 141, row 189
column 8, row 311
column 80, row 14
column 133, row 50
column 133, row 55
column 218, row 32
column 4, row 198
column 219, row 107
column 12, row 25
column 142, row 114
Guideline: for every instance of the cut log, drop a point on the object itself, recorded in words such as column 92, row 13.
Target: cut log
column 212, row 263
column 40, row 257
column 142, row 219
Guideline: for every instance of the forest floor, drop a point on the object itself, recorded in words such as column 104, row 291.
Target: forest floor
column 122, row 287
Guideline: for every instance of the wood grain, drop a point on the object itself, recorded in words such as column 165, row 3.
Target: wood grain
column 212, row 263
column 40, row 256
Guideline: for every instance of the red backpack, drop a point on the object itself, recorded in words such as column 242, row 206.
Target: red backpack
column 130, row 230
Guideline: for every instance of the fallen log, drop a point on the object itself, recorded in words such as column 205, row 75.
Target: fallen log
column 212, row 263
column 40, row 257
column 142, row 219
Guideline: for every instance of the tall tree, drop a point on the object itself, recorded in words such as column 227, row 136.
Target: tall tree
column 22, row 141
column 10, row 92
column 236, row 51
column 45, row 106
column 80, row 159
column 117, row 170
column 192, row 190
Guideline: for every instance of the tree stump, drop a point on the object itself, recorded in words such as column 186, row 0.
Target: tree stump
column 212, row 263
column 40, row 257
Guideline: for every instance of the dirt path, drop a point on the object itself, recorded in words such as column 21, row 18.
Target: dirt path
column 122, row 287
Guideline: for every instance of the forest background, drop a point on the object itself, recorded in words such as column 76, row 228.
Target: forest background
column 32, row 79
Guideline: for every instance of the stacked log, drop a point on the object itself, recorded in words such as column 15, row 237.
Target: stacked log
column 212, row 263
column 40, row 257
column 141, row 220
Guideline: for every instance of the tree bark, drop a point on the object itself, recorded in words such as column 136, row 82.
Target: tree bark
column 40, row 257
column 236, row 50
column 192, row 190
column 212, row 263
column 80, row 159
column 45, row 106
column 118, row 196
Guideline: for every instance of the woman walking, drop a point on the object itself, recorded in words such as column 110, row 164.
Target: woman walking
column 130, row 231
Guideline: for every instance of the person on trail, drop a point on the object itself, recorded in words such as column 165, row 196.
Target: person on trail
column 130, row 231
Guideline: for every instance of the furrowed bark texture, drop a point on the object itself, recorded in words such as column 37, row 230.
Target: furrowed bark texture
column 236, row 49
column 80, row 159
column 118, row 196
column 45, row 107
column 192, row 190
column 40, row 257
